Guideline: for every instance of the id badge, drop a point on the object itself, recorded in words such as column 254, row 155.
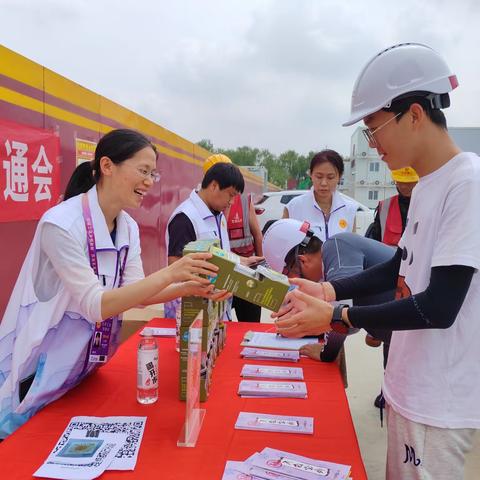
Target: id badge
column 100, row 341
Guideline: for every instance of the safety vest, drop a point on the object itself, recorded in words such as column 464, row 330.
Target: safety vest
column 341, row 218
column 390, row 220
column 241, row 239
column 205, row 224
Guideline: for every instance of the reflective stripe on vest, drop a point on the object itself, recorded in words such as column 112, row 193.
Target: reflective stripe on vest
column 241, row 239
column 391, row 221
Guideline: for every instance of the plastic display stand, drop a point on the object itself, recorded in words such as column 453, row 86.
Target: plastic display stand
column 193, row 414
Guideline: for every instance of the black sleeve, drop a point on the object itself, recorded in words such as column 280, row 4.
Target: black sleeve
column 180, row 232
column 376, row 279
column 436, row 307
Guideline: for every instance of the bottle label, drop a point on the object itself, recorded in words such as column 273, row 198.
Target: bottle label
column 147, row 369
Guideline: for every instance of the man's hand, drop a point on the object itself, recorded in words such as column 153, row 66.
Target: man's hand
column 247, row 261
column 307, row 316
column 322, row 291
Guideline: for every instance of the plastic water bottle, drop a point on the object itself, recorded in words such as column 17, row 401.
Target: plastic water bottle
column 147, row 368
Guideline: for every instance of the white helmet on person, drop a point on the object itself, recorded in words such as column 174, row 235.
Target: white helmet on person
column 398, row 71
column 280, row 238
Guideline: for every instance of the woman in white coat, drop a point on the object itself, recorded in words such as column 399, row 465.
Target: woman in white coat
column 326, row 210
column 83, row 269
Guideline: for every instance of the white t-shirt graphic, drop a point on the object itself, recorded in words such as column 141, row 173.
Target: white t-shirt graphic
column 433, row 375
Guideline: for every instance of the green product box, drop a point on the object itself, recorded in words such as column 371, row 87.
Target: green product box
column 206, row 364
column 262, row 286
column 211, row 313
column 201, row 245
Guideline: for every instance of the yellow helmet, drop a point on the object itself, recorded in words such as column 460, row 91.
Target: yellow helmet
column 213, row 159
column 405, row 175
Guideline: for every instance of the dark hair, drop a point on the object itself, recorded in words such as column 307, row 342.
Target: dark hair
column 431, row 104
column 226, row 175
column 118, row 145
column 330, row 156
column 267, row 225
column 313, row 246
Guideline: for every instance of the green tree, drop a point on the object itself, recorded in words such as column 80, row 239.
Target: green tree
column 276, row 171
column 242, row 155
column 206, row 144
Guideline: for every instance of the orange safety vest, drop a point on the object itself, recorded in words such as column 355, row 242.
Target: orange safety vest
column 241, row 239
column 390, row 220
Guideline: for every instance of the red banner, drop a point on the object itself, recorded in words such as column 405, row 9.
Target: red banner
column 29, row 171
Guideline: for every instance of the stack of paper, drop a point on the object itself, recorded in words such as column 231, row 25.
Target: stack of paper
column 270, row 371
column 274, row 423
column 91, row 445
column 279, row 465
column 274, row 340
column 263, row 354
column 252, row 388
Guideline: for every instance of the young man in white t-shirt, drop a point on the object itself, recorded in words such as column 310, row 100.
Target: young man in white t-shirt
column 432, row 381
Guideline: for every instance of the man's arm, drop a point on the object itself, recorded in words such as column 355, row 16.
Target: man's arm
column 180, row 232
column 435, row 307
column 255, row 229
column 380, row 278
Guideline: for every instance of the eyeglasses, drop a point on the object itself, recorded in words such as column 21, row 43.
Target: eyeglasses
column 147, row 174
column 369, row 134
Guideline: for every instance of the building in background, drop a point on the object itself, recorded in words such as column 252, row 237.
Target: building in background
column 259, row 172
column 347, row 185
column 367, row 178
column 467, row 138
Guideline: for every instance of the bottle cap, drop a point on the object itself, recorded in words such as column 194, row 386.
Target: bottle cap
column 147, row 332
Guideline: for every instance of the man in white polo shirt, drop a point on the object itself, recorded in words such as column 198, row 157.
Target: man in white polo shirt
column 432, row 380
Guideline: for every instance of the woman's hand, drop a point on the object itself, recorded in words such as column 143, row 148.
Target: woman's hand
column 206, row 291
column 190, row 267
column 307, row 316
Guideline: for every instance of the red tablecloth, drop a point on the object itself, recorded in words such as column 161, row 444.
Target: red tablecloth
column 112, row 391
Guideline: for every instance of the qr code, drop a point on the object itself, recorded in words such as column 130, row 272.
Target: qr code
column 133, row 430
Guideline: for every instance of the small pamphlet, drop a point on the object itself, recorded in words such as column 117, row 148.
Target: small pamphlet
column 271, row 464
column 274, row 423
column 271, row 371
column 273, row 340
column 299, row 467
column 236, row 471
column 91, row 445
column 264, row 354
column 159, row 332
column 272, row 389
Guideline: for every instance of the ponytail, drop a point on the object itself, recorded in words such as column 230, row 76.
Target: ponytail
column 81, row 180
column 118, row 145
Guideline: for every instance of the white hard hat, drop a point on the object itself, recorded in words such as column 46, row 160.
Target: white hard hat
column 396, row 71
column 280, row 238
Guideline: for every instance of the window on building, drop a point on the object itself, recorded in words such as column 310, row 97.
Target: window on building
column 374, row 167
column 373, row 194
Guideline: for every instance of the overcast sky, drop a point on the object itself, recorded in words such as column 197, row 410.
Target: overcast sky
column 274, row 74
